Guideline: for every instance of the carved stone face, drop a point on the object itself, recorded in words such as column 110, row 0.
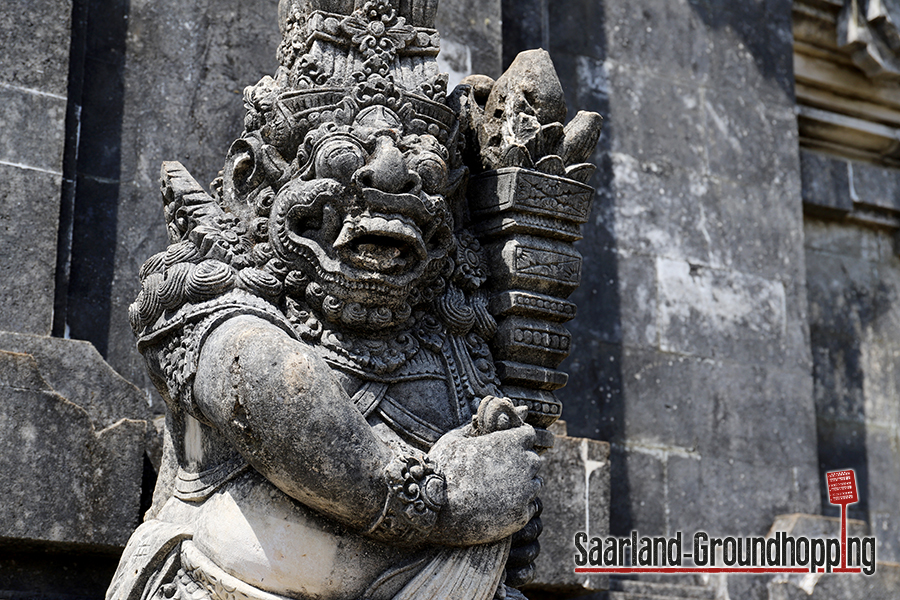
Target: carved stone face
column 366, row 220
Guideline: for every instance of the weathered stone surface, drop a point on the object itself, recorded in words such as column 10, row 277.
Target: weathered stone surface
column 843, row 65
column 34, row 44
column 853, row 289
column 34, row 130
column 754, row 148
column 873, row 186
column 530, row 84
column 642, row 472
column 29, row 217
column 576, row 498
column 670, row 471
column 471, row 32
column 872, row 31
column 666, row 37
column 666, row 139
column 744, row 488
column 65, row 479
column 74, row 441
column 703, row 174
column 718, row 313
column 77, row 372
column 884, row 470
column 826, row 183
column 34, row 51
column 843, row 185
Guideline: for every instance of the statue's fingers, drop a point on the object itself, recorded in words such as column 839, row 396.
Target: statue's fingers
column 524, row 554
column 529, row 533
column 533, row 464
column 527, row 436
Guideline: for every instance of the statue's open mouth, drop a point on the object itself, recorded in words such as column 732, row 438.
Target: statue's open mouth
column 386, row 244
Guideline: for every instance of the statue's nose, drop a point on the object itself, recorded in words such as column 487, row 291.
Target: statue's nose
column 387, row 171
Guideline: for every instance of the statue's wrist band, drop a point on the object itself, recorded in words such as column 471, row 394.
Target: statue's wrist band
column 416, row 493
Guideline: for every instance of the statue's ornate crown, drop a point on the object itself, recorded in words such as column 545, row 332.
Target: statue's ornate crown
column 342, row 58
column 339, row 43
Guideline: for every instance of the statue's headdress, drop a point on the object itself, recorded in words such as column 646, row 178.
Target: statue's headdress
column 338, row 43
column 341, row 61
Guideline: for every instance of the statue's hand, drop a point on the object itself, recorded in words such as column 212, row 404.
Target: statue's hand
column 492, row 485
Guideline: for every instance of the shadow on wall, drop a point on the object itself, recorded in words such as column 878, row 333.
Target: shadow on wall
column 843, row 322
column 744, row 18
column 89, row 219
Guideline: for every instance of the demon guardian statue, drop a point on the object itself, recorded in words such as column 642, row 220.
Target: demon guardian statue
column 356, row 332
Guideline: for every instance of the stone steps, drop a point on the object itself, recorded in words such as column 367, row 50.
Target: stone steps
column 629, row 589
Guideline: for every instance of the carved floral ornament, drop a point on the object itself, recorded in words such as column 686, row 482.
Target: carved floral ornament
column 870, row 31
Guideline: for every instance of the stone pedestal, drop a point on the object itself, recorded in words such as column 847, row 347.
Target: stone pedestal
column 576, row 498
column 73, row 438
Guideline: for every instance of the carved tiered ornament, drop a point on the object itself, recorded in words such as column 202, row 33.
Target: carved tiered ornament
column 355, row 339
column 869, row 30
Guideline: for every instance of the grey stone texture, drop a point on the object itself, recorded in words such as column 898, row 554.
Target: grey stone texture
column 34, row 52
column 73, row 446
column 852, row 277
column 576, row 498
column 185, row 71
column 691, row 347
column 471, row 38
column 826, row 183
column 76, row 371
column 34, row 37
column 28, row 247
column 834, row 186
column 36, row 138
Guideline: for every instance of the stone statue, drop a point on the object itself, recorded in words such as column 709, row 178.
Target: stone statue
column 356, row 331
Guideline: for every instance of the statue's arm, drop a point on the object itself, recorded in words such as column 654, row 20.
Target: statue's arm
column 278, row 403
column 280, row 406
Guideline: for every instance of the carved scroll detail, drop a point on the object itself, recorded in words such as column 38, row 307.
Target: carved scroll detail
column 869, row 30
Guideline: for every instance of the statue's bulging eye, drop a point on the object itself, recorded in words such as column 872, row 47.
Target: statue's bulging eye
column 339, row 159
column 433, row 172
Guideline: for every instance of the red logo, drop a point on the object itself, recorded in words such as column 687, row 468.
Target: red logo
column 842, row 487
column 778, row 553
column 842, row 491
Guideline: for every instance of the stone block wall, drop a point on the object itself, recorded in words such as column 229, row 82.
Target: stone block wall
column 73, row 468
column 691, row 349
column 34, row 70
column 74, row 434
column 853, row 275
